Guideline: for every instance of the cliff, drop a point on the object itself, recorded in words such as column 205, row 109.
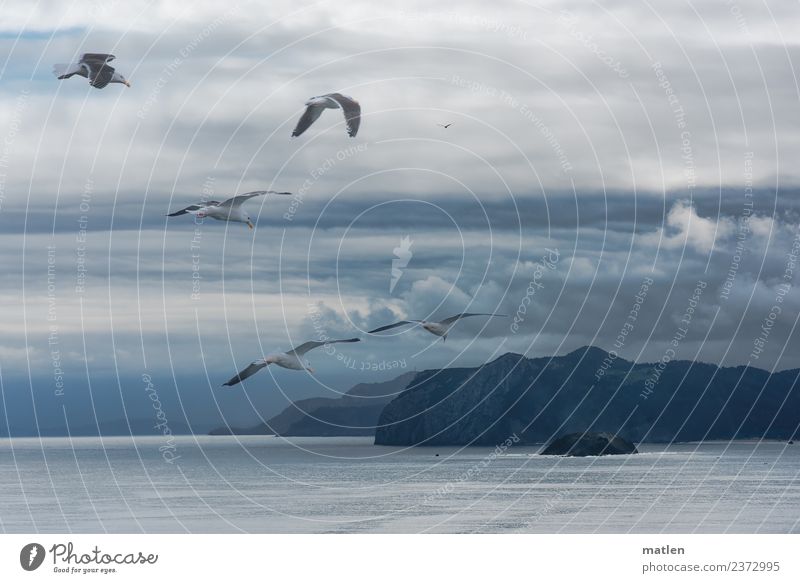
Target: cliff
column 588, row 390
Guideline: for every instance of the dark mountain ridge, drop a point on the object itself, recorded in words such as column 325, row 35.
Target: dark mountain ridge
column 539, row 399
column 355, row 413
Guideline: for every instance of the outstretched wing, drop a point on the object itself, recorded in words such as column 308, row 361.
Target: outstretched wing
column 452, row 319
column 251, row 369
column 100, row 74
column 309, row 116
column 390, row 326
column 188, row 209
column 306, row 346
column 352, row 112
column 65, row 71
column 100, row 58
column 241, row 198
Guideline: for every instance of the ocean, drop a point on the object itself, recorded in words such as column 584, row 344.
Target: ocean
column 343, row 485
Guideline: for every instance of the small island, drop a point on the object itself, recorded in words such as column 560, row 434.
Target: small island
column 585, row 444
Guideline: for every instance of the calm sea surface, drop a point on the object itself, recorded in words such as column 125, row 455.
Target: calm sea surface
column 269, row 484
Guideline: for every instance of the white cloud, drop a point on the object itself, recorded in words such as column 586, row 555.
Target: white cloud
column 686, row 229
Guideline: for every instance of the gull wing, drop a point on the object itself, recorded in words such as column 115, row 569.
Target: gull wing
column 100, row 74
column 251, row 369
column 306, row 346
column 452, row 319
column 191, row 208
column 67, row 70
column 352, row 112
column 239, row 199
column 390, row 326
column 100, row 58
column 309, row 116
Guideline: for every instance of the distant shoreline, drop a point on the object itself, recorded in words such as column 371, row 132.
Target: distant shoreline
column 251, row 437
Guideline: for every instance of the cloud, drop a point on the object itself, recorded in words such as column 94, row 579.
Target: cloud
column 685, row 228
column 551, row 147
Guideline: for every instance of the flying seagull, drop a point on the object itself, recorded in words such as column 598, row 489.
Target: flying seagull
column 315, row 105
column 444, row 125
column 95, row 67
column 437, row 328
column 292, row 359
column 227, row 210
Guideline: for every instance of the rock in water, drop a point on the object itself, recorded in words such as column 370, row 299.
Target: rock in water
column 583, row 444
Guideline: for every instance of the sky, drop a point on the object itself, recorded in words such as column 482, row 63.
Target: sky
column 622, row 175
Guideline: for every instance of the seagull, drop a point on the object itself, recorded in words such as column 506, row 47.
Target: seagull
column 292, row 359
column 227, row 210
column 437, row 328
column 315, row 105
column 443, row 125
column 95, row 67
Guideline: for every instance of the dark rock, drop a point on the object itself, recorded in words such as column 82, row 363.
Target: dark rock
column 583, row 444
column 590, row 390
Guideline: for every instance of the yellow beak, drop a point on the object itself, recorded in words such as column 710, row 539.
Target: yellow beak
column 127, row 83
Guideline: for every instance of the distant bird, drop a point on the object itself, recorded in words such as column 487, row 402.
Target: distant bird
column 95, row 67
column 437, row 328
column 292, row 359
column 445, row 126
column 227, row 210
column 315, row 105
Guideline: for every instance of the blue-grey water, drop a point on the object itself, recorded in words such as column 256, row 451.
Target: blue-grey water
column 269, row 484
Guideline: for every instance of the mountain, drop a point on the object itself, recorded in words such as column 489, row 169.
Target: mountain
column 354, row 413
column 538, row 399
